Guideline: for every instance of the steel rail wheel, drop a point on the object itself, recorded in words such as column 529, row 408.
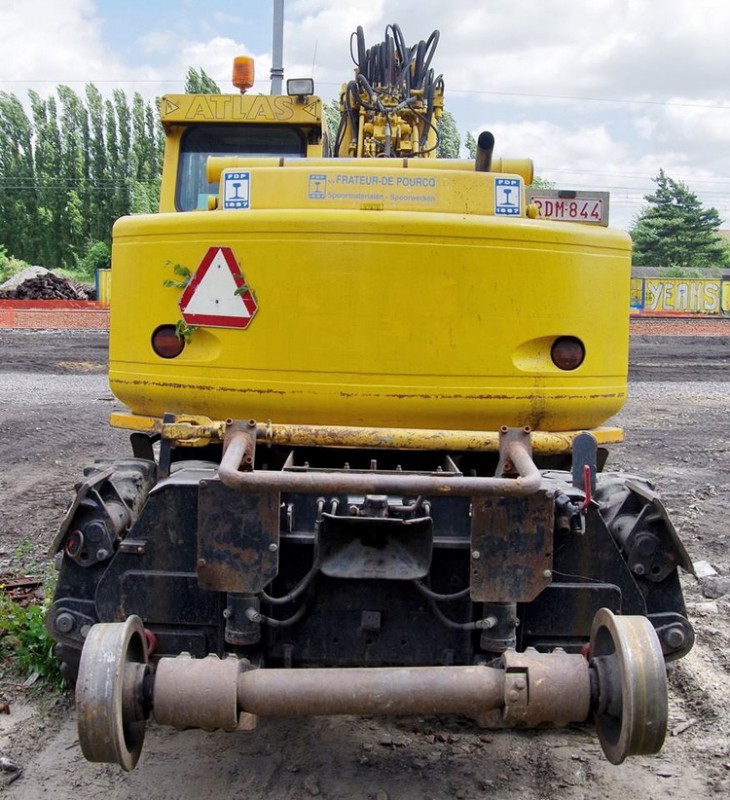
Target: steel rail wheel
column 110, row 708
column 631, row 714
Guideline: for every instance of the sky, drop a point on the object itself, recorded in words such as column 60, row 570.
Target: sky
column 601, row 94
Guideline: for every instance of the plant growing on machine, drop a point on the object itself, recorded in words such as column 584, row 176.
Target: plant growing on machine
column 184, row 276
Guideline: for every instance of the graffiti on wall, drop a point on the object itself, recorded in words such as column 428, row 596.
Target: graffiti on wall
column 679, row 296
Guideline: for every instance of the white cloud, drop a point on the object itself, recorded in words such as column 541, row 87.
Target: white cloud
column 51, row 41
column 510, row 66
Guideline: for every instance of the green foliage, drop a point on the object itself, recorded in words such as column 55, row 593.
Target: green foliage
column 182, row 329
column 182, row 272
column 24, row 639
column 97, row 256
column 541, row 183
column 449, row 139
column 197, row 81
column 9, row 266
column 185, row 331
column 471, row 144
column 70, row 165
column 331, row 112
column 676, row 232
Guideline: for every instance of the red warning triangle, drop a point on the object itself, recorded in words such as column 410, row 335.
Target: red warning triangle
column 213, row 297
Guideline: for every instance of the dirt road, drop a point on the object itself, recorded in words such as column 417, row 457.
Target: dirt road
column 54, row 401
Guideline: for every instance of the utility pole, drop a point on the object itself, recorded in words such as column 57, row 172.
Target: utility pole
column 277, row 48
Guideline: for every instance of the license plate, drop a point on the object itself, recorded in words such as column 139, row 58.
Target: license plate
column 569, row 206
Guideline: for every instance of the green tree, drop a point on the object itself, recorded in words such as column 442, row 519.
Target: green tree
column 675, row 231
column 448, row 135
column 18, row 199
column 197, row 81
column 542, row 183
column 74, row 171
column 331, row 113
column 471, row 144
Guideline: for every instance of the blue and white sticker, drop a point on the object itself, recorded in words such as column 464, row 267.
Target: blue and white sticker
column 237, row 190
column 508, row 196
column 317, row 187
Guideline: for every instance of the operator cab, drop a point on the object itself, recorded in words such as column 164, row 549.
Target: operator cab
column 201, row 141
column 198, row 126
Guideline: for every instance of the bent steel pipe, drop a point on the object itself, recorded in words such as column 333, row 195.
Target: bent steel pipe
column 527, row 482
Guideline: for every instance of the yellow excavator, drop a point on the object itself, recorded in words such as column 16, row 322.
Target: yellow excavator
column 369, row 395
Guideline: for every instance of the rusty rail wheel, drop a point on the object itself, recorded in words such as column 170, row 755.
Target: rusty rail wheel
column 631, row 712
column 110, row 705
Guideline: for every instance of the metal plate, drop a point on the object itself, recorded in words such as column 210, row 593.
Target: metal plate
column 373, row 548
column 238, row 538
column 511, row 547
column 570, row 206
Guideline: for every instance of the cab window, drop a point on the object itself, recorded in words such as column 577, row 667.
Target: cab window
column 202, row 141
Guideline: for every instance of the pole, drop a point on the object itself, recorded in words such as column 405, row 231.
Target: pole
column 277, row 48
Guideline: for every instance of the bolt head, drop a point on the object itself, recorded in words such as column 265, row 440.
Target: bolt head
column 675, row 638
column 273, row 547
column 475, row 554
column 64, row 623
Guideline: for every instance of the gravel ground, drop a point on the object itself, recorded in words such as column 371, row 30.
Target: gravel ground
column 54, row 402
column 680, row 326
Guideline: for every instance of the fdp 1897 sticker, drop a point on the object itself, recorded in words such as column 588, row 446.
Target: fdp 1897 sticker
column 507, row 196
column 237, row 190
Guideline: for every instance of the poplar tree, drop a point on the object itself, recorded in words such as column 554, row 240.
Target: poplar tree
column 448, row 137
column 197, row 81
column 17, row 177
column 69, row 166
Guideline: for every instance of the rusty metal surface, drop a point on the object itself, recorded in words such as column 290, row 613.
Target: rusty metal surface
column 511, row 547
column 238, row 538
column 375, row 548
column 110, row 721
column 197, row 692
column 545, row 687
column 527, row 482
column 201, row 430
column 22, row 590
column 378, row 691
column 632, row 708
column 528, row 689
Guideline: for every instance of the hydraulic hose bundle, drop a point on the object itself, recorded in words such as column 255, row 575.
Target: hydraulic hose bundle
column 391, row 107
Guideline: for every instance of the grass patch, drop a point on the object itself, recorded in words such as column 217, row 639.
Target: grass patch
column 25, row 645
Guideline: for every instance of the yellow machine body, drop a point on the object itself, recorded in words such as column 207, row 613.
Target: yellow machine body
column 387, row 293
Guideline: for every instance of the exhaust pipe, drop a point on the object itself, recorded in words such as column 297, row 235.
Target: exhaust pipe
column 485, row 151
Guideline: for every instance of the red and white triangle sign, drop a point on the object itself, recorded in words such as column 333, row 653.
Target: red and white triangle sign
column 211, row 297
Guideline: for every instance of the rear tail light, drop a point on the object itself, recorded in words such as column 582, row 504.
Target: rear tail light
column 166, row 342
column 567, row 352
